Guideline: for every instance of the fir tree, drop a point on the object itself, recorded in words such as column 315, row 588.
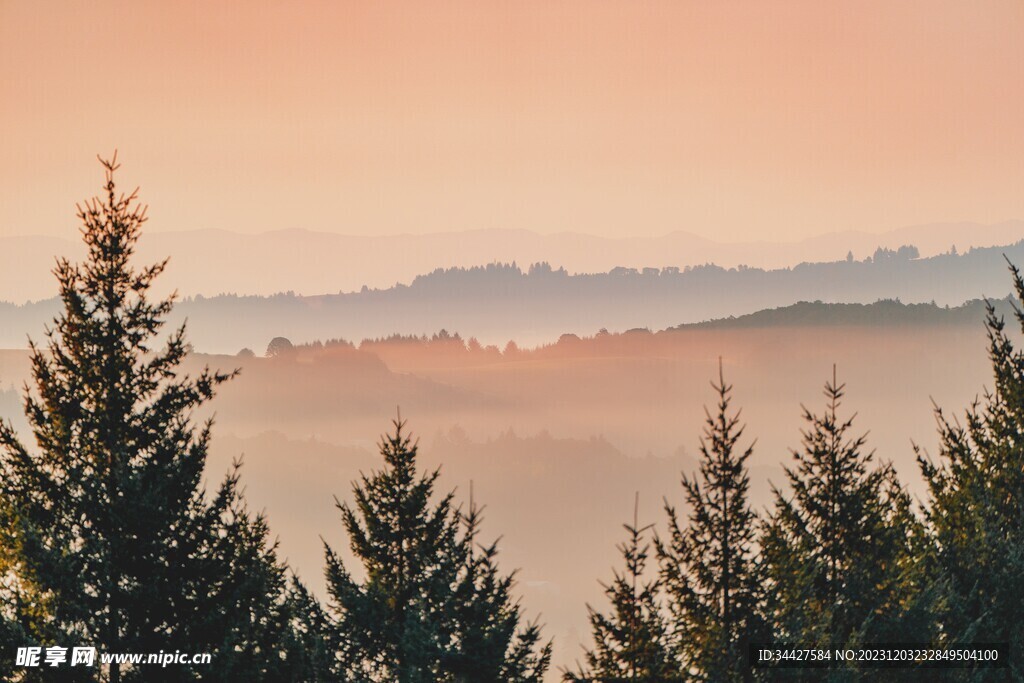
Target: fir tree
column 976, row 511
column 307, row 648
column 631, row 643
column 273, row 630
column 491, row 644
column 14, row 601
column 431, row 608
column 708, row 567
column 108, row 537
column 842, row 553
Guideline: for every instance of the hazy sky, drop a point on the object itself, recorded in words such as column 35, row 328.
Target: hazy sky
column 733, row 120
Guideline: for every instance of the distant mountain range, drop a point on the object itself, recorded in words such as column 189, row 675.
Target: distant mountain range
column 502, row 302
column 211, row 262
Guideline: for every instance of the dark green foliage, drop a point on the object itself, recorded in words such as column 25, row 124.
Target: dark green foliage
column 394, row 625
column 842, row 553
column 490, row 644
column 272, row 629
column 306, row 646
column 433, row 606
column 632, row 642
column 107, row 535
column 708, row 567
column 976, row 513
column 14, row 602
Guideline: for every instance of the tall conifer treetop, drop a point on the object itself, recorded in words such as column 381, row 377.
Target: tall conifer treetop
column 631, row 642
column 433, row 606
column 976, row 511
column 707, row 565
column 839, row 551
column 113, row 541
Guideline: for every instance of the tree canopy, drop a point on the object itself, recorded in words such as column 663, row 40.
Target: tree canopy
column 109, row 537
column 433, row 605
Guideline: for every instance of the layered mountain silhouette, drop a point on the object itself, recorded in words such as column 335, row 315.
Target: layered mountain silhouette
column 501, row 302
column 210, row 262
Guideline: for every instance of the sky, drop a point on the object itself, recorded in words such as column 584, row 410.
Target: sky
column 732, row 120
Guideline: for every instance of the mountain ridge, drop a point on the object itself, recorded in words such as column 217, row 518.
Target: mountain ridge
column 501, row 302
column 310, row 262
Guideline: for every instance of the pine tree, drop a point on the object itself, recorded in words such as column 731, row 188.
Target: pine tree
column 307, row 651
column 14, row 598
column 273, row 629
column 708, row 567
column 491, row 644
column 976, row 511
column 842, row 553
column 632, row 642
column 431, row 608
column 110, row 539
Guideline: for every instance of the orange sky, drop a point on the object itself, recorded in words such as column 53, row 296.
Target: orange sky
column 734, row 120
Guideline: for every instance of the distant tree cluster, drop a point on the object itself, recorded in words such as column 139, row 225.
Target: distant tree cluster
column 907, row 252
column 282, row 346
column 881, row 313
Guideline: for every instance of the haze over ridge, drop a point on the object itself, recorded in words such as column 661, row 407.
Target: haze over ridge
column 311, row 263
column 535, row 305
column 558, row 440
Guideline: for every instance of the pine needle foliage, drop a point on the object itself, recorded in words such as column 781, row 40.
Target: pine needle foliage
column 632, row 640
column 708, row 565
column 433, row 605
column 108, row 536
column 976, row 509
column 841, row 552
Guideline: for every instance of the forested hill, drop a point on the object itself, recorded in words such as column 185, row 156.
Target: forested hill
column 499, row 302
column 885, row 312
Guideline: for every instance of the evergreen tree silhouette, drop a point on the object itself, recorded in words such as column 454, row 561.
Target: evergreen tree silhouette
column 708, row 566
column 632, row 642
column 491, row 644
column 431, row 607
column 108, row 537
column 306, row 651
column 842, row 555
column 976, row 511
column 16, row 599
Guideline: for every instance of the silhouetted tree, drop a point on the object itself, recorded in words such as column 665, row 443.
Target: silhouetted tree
column 307, row 650
column 708, row 567
column 632, row 642
column 262, row 634
column 15, row 600
column 491, row 646
column 843, row 553
column 278, row 346
column 908, row 252
column 107, row 535
column 976, row 512
column 431, row 607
